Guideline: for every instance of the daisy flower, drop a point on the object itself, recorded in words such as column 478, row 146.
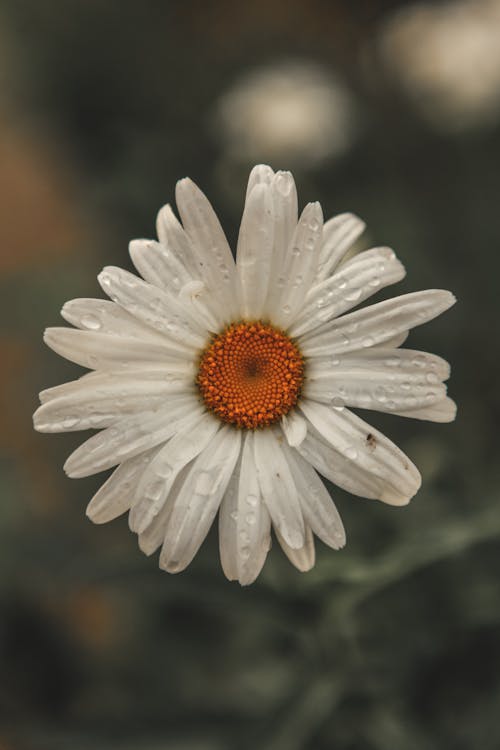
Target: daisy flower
column 225, row 386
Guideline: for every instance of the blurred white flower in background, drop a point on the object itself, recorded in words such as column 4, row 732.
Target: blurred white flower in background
column 447, row 58
column 294, row 112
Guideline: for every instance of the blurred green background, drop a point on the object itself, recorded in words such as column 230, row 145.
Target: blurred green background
column 387, row 109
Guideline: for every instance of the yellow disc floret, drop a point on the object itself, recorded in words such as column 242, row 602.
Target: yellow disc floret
column 251, row 374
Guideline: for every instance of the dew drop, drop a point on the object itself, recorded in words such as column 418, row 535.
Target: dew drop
column 418, row 361
column 353, row 295
column 337, row 403
column 393, row 362
column 91, row 322
column 154, row 490
column 164, row 471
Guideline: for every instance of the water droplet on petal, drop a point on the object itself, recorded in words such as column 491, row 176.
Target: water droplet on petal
column 353, row 295
column 393, row 362
column 91, row 322
column 154, row 490
column 337, row 403
column 351, row 453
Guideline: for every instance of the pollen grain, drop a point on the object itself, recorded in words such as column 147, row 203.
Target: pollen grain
column 250, row 375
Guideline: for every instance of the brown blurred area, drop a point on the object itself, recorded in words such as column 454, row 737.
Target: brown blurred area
column 392, row 643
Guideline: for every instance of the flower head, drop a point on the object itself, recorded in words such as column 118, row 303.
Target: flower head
column 223, row 386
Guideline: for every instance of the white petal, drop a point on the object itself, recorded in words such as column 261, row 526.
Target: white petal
column 339, row 233
column 199, row 499
column 357, row 280
column 426, row 367
column 158, row 265
column 294, row 426
column 228, row 538
column 304, row 557
column 117, row 493
column 129, row 437
column 209, row 242
column 255, row 248
column 103, row 316
column 261, row 174
column 394, row 342
column 102, row 351
column 278, row 488
column 299, row 266
column 158, row 479
column 317, row 506
column 396, row 479
column 442, row 411
column 153, row 535
column 376, row 323
column 99, row 401
column 174, row 238
column 152, row 306
column 333, row 465
column 285, row 223
column 244, row 521
column 399, row 380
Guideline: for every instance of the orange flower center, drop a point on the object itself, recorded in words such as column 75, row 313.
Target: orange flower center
column 251, row 375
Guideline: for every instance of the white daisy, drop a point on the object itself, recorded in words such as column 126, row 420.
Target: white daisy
column 224, row 386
